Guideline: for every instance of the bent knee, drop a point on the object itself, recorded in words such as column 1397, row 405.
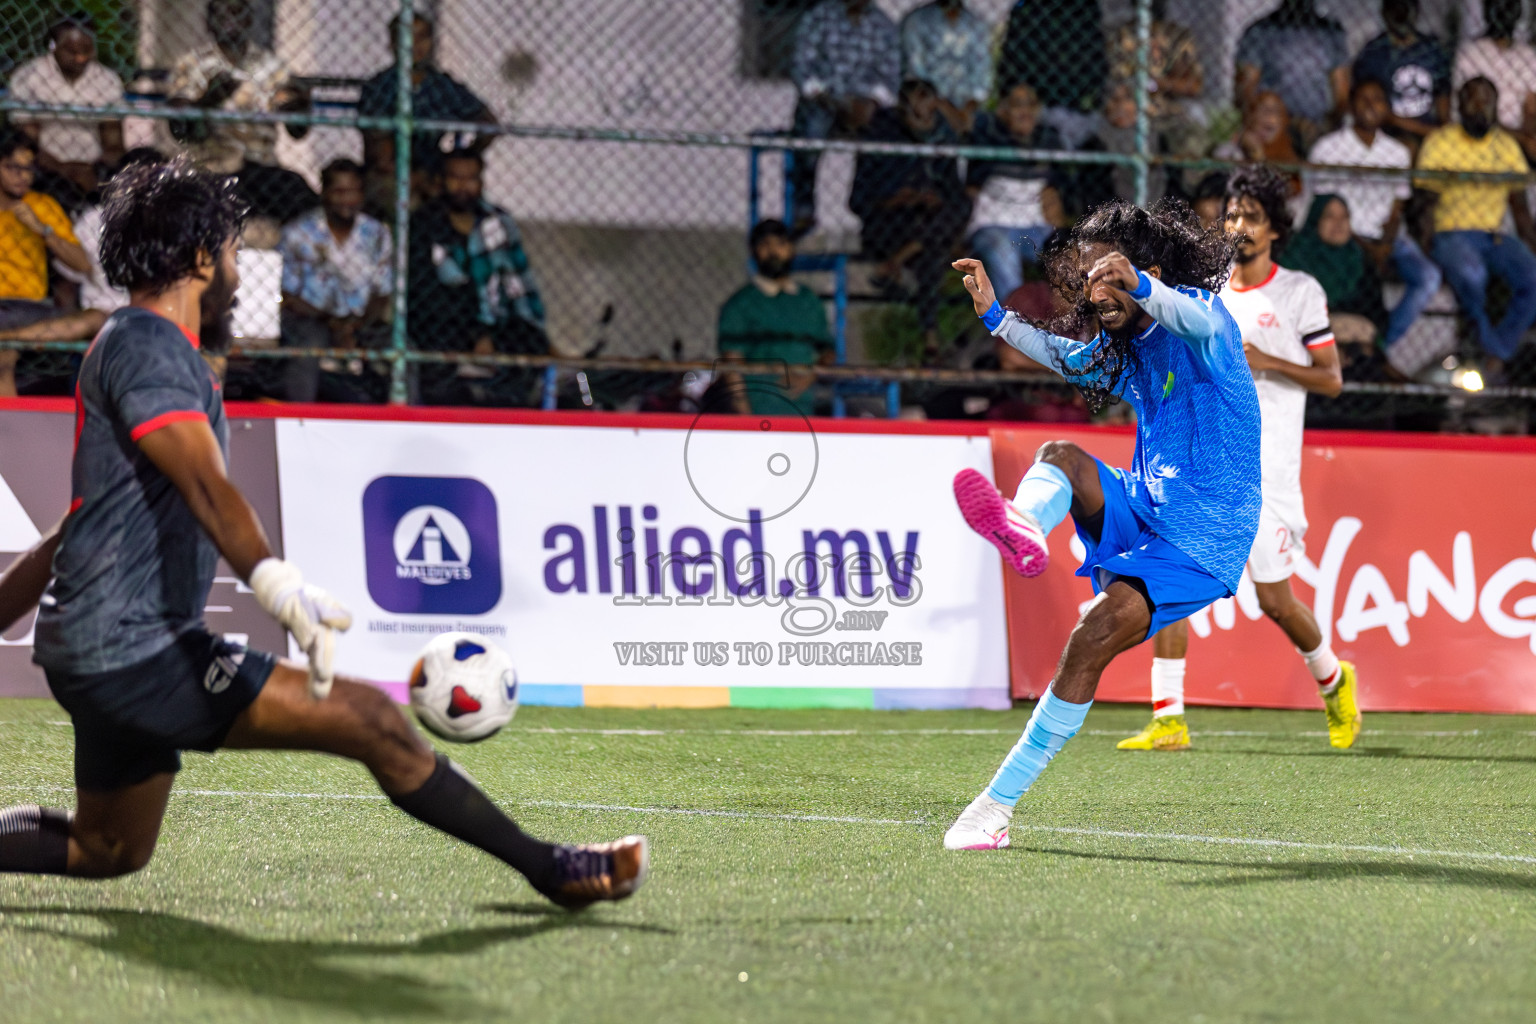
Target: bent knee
column 110, row 857
column 1065, row 456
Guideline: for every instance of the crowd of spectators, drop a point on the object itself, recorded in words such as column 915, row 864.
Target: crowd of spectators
column 1371, row 142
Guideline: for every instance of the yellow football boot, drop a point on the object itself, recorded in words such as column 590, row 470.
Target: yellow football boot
column 1170, row 732
column 1343, row 711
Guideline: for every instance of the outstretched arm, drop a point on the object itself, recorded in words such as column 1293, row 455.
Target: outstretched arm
column 23, row 584
column 1045, row 348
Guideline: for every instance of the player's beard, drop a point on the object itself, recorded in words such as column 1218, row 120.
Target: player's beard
column 217, row 311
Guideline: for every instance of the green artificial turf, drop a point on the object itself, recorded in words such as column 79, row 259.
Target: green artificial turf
column 274, row 898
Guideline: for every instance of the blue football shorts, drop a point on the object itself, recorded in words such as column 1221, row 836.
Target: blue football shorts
column 1174, row 584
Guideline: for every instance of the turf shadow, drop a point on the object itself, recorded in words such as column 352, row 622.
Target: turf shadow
column 556, row 914
column 290, row 969
column 1256, row 872
column 1391, row 753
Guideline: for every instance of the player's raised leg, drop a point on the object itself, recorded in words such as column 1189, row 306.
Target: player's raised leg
column 1063, row 478
column 1336, row 681
column 358, row 721
column 1168, row 730
column 1116, row 621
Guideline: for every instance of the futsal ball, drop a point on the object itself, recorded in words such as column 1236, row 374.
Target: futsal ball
column 463, row 688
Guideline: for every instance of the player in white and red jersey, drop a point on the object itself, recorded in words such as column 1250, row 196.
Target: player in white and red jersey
column 1283, row 317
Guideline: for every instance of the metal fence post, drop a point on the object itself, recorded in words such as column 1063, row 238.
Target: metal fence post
column 399, row 368
column 1143, row 84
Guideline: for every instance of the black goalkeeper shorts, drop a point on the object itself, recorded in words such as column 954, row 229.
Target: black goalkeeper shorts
column 131, row 723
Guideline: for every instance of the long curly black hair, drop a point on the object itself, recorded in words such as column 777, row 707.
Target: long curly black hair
column 1166, row 235
column 157, row 218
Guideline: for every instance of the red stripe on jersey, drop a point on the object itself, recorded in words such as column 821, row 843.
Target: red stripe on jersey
column 74, row 506
column 1321, row 342
column 1272, row 272
column 165, row 419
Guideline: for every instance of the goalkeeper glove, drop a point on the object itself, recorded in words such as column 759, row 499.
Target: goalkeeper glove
column 307, row 612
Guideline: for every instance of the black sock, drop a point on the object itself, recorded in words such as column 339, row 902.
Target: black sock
column 451, row 803
column 34, row 839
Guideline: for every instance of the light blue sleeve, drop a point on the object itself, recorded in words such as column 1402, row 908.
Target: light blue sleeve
column 1057, row 354
column 1190, row 318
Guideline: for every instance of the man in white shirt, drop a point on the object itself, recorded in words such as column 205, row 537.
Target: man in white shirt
column 1509, row 65
column 1283, row 316
column 69, row 73
column 1376, row 205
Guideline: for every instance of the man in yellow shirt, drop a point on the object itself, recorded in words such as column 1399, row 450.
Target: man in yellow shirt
column 33, row 227
column 1469, row 247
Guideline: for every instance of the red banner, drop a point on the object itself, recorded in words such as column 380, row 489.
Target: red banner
column 1420, row 567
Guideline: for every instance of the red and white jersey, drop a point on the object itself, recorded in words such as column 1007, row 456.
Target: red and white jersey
column 1286, row 316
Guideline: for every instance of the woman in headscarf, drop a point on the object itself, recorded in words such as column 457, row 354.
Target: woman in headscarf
column 1326, row 248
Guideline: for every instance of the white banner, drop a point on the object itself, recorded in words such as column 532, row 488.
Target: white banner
column 605, row 557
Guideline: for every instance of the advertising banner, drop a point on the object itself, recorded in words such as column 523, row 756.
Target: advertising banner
column 1418, row 565
column 35, row 452
column 767, row 566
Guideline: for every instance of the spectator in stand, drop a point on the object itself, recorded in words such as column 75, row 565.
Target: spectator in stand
column 1057, row 48
column 913, row 208
column 233, row 73
column 434, row 94
column 1326, row 248
column 1303, row 58
column 69, row 151
column 1017, row 205
column 847, row 63
column 472, row 290
column 1468, row 244
column 1175, row 77
column 943, row 43
column 1413, row 68
column 1210, row 199
column 33, row 227
column 337, row 280
column 1114, row 131
column 774, row 319
column 1376, row 206
column 1264, row 137
column 1509, row 65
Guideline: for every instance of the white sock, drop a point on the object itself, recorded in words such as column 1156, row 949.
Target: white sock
column 1167, row 687
column 1323, row 666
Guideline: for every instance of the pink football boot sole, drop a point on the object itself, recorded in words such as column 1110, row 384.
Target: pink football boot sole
column 986, row 512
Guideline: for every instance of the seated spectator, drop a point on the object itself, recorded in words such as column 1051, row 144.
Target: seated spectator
column 1115, row 132
column 1303, row 58
column 434, row 94
column 1057, row 48
column 472, row 290
column 1176, row 78
column 69, row 151
column 33, row 227
column 1326, row 248
column 1509, row 65
column 1414, row 70
column 913, row 208
column 773, row 319
column 1468, row 245
column 233, row 73
column 1376, row 206
column 1210, row 199
column 1017, row 205
column 943, row 43
column 1264, row 137
column 337, row 280
column 847, row 63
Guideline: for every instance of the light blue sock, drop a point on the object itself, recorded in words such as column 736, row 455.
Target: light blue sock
column 1054, row 722
column 1045, row 493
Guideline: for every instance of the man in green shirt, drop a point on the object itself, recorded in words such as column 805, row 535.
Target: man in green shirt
column 772, row 318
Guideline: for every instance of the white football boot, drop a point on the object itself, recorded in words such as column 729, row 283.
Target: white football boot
column 981, row 826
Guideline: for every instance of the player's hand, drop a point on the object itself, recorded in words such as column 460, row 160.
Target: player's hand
column 977, row 283
column 1114, row 271
column 1258, row 359
column 306, row 611
column 27, row 218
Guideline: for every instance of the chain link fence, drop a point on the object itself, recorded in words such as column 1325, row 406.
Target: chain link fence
column 556, row 208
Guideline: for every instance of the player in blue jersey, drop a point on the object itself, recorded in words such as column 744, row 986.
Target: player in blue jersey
column 120, row 632
column 1165, row 537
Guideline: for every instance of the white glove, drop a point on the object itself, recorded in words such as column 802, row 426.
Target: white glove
column 307, row 612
